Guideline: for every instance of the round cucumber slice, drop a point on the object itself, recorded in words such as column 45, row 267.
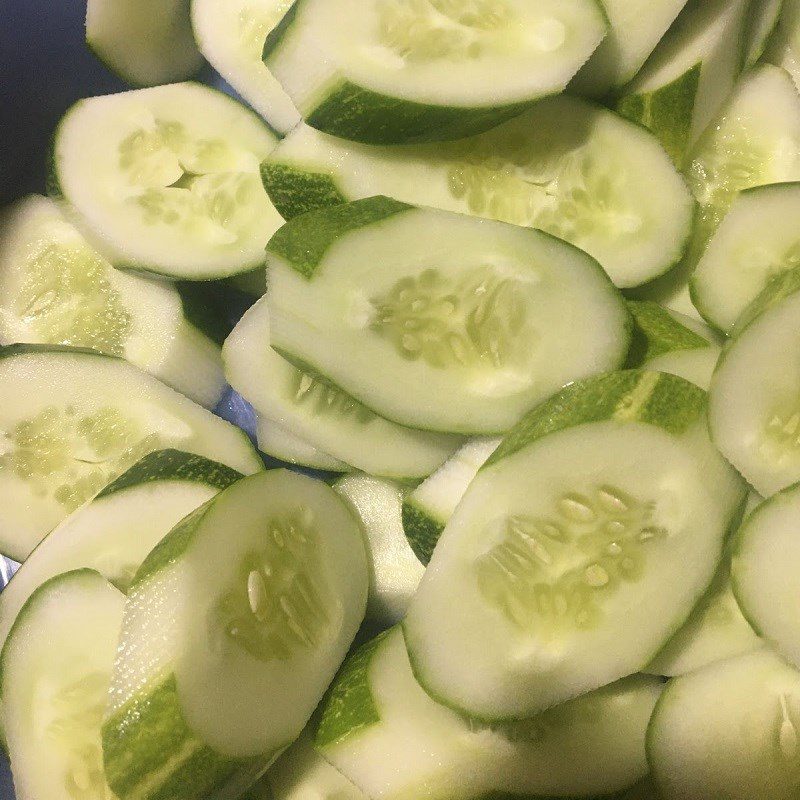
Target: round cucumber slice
column 74, row 420
column 605, row 510
column 166, row 179
column 257, row 594
column 729, row 730
column 278, row 442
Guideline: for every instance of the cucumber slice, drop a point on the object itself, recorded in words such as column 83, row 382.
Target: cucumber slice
column 74, row 420
column 566, row 167
column 427, row 508
column 781, row 53
column 394, row 570
column 729, row 730
column 761, row 25
column 409, row 71
column 145, row 42
column 325, row 417
column 604, row 510
column 257, row 594
column 56, row 670
column 166, row 179
column 382, row 731
column 57, row 289
column 278, row 442
column 790, row 21
column 231, row 36
column 476, row 320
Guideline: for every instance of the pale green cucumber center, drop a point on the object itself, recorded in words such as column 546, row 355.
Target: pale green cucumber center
column 781, row 435
column 323, row 400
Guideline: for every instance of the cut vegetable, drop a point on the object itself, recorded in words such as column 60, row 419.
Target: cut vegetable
column 604, row 510
column 166, row 179
column 57, row 289
column 426, row 70
column 278, row 442
column 325, row 417
column 729, row 730
column 567, row 167
column 382, row 731
column 781, row 53
column 231, row 36
column 761, row 24
column 56, row 670
column 74, row 420
column 475, row 320
column 257, row 594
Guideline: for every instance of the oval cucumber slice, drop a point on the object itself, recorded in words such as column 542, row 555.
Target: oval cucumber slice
column 278, row 442
column 257, row 594
column 475, row 331
column 403, row 71
column 74, row 420
column 166, row 179
column 604, row 510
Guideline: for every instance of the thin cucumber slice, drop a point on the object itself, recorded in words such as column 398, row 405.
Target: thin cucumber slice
column 322, row 415
column 279, row 442
column 145, row 42
column 394, row 569
column 567, row 167
column 781, row 53
column 605, row 510
column 56, row 669
column 55, row 288
column 73, row 420
column 382, row 731
column 476, row 320
column 231, row 36
column 166, row 179
column 729, row 730
column 761, row 25
column 256, row 595
column 427, row 508
column 408, row 71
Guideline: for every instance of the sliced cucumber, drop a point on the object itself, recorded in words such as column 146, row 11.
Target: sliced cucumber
column 56, row 669
column 476, row 320
column 566, row 167
column 781, row 53
column 74, row 420
column 231, row 36
column 325, row 417
column 145, row 42
column 166, row 179
column 729, row 730
column 386, row 735
column 257, row 594
column 394, row 570
column 427, row 508
column 761, row 25
column 280, row 443
column 790, row 22
column 57, row 289
column 410, row 71
column 603, row 511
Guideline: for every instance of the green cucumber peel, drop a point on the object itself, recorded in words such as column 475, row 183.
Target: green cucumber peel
column 294, row 191
column 657, row 332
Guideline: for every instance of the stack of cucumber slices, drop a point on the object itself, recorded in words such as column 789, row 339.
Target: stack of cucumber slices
column 421, row 422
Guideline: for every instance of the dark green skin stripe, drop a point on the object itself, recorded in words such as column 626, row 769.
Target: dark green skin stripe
column 669, row 402
column 303, row 241
column 656, row 331
column 204, row 307
column 173, row 465
column 422, row 531
column 277, row 34
column 296, row 191
column 13, row 350
column 778, row 288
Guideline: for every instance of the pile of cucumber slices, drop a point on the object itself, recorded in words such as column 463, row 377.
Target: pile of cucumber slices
column 504, row 298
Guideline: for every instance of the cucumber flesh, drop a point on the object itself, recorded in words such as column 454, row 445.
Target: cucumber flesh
column 55, row 288
column 601, row 512
column 74, row 420
column 231, row 36
column 166, row 179
column 56, row 670
column 266, row 586
column 278, row 442
column 761, row 25
column 567, row 167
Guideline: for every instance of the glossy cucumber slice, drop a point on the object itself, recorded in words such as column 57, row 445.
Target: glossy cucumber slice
column 427, row 70
column 387, row 736
column 56, row 669
column 166, row 179
column 322, row 415
column 603, row 511
column 55, row 288
column 476, row 320
column 74, row 420
column 761, row 26
column 395, row 571
column 279, row 442
column 729, row 730
column 231, row 36
column 257, row 594
column 566, row 167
